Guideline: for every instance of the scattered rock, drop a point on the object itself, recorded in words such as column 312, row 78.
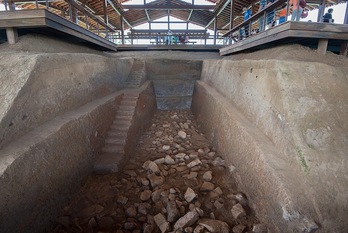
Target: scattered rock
column 208, row 176
column 218, row 161
column 172, row 212
column 214, row 226
column 207, row 186
column 260, row 228
column 131, row 211
column 182, row 134
column 162, row 223
column 165, row 147
column 238, row 228
column 155, row 180
column 194, row 163
column 144, row 196
column 190, row 195
column 238, row 211
column 187, row 220
column 169, row 160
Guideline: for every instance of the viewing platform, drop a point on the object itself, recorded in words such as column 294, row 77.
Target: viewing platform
column 42, row 21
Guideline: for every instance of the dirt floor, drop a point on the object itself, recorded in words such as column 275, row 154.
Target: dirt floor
column 175, row 182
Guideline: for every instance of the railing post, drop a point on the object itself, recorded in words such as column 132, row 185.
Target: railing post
column 47, row 5
column 37, row 4
column 86, row 21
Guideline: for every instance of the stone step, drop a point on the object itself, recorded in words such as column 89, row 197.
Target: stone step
column 134, row 98
column 128, row 102
column 113, row 148
column 118, row 140
column 124, row 117
column 126, row 108
column 122, row 113
column 121, row 122
column 120, row 127
column 130, row 94
column 117, row 133
column 107, row 163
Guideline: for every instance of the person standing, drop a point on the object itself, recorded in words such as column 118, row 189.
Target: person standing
column 327, row 18
column 261, row 19
column 297, row 9
column 247, row 15
column 170, row 36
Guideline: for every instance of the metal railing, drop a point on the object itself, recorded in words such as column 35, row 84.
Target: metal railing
column 76, row 13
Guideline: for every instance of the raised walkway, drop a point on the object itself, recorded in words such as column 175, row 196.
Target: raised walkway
column 324, row 36
column 20, row 22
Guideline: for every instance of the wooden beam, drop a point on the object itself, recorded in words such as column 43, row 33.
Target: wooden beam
column 189, row 17
column 343, row 49
column 168, row 7
column 122, row 29
column 118, row 12
column 321, row 8
column 232, row 14
column 219, row 12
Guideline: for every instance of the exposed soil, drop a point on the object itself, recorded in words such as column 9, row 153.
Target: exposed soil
column 175, row 182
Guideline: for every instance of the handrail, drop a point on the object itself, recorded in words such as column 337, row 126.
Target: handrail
column 269, row 7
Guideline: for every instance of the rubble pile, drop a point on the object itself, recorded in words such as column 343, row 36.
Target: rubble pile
column 175, row 182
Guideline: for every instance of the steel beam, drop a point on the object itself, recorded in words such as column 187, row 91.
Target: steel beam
column 219, row 12
column 168, row 7
column 117, row 11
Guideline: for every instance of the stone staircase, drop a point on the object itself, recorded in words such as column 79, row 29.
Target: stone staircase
column 137, row 75
column 114, row 152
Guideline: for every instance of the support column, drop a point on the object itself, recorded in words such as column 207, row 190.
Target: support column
column 231, row 15
column 321, row 9
column 122, row 31
column 322, row 46
column 344, row 47
column 345, row 21
column 106, row 19
column 12, row 35
column 215, row 29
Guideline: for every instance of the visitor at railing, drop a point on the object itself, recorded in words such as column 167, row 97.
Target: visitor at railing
column 247, row 14
column 270, row 18
column 263, row 4
column 297, row 9
column 327, row 18
column 170, row 37
column 282, row 15
column 158, row 38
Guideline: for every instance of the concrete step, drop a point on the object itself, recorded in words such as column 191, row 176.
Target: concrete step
column 107, row 163
column 117, row 133
column 113, row 148
column 117, row 140
column 126, row 108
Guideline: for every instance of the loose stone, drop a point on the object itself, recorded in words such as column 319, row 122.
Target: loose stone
column 144, row 196
column 238, row 211
column 207, row 186
column 161, row 222
column 169, row 160
column 238, row 228
column 190, row 195
column 131, row 211
column 182, row 134
column 260, row 228
column 155, row 180
column 187, row 220
column 172, row 212
column 208, row 176
column 194, row 163
column 214, row 226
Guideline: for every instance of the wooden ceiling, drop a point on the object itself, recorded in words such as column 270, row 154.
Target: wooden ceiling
column 137, row 15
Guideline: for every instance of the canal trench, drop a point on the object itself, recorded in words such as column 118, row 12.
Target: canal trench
column 174, row 182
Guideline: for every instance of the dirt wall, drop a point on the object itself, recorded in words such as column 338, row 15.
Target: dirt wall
column 40, row 171
column 37, row 87
column 301, row 109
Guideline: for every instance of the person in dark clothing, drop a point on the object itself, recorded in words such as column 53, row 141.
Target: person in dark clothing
column 327, row 18
column 247, row 15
